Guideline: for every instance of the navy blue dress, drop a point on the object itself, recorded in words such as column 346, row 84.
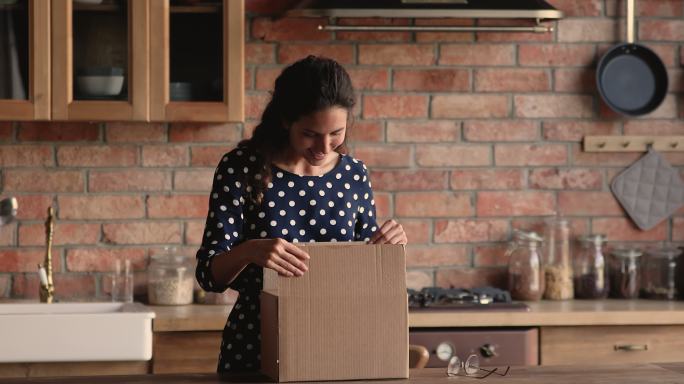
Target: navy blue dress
column 336, row 206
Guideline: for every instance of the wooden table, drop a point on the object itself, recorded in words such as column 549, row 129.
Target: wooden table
column 622, row 374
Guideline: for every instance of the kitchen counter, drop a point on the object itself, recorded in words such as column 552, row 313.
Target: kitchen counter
column 623, row 374
column 544, row 313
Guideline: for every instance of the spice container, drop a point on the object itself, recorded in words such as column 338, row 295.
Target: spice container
column 659, row 273
column 590, row 270
column 170, row 278
column 623, row 273
column 557, row 269
column 525, row 273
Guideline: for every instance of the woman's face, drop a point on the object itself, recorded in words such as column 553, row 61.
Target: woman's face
column 316, row 136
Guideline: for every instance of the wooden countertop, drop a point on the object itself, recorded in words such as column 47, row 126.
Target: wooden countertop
column 623, row 374
column 543, row 313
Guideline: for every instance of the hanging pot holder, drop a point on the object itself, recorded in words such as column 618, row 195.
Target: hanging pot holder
column 650, row 190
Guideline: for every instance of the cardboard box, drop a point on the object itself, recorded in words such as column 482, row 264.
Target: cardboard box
column 345, row 319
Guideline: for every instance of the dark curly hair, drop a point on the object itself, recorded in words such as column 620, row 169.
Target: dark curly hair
column 307, row 86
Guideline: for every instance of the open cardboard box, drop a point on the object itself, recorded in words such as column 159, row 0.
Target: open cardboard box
column 345, row 319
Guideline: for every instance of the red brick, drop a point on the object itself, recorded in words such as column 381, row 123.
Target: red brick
column 575, row 80
column 178, row 206
column 408, row 180
column 395, row 105
column 97, row 156
column 165, row 156
column 289, row 29
column 200, row 132
column 604, row 159
column 193, row 180
column 50, row 181
column 266, row 77
column 457, row 106
column 208, row 156
column 259, row 53
column 369, row 78
column 654, row 127
column 661, row 30
column 574, row 8
column 530, row 154
column 555, row 106
column 249, row 84
column 437, row 255
column 384, row 156
column 129, row 181
column 467, row 231
column 383, row 206
column 664, row 8
column 26, row 156
column 487, row 179
column 194, row 230
column 144, row 232
column 576, row 130
column 104, row 259
column 433, row 204
column 472, row 278
column 255, row 104
column 512, row 80
column 501, row 130
column 6, row 131
column 427, row 80
column 396, row 54
column 477, row 54
column 491, row 255
column 622, row 229
column 33, row 207
column 588, row 204
column 439, row 155
column 135, row 132
column 522, row 37
column 58, row 131
column 67, row 286
column 590, row 30
column 365, row 131
column 342, row 53
column 523, row 203
column 678, row 229
column 101, row 207
column 423, row 131
column 65, row 233
column 27, row 260
column 374, row 36
column 557, row 178
column 557, row 55
column 675, row 80
column 8, row 235
column 442, row 37
column 417, row 231
column 578, row 226
column 419, row 279
column 5, row 285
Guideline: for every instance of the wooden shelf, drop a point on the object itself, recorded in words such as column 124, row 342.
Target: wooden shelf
column 200, row 8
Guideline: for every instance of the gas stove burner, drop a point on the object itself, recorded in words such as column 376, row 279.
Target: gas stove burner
column 457, row 298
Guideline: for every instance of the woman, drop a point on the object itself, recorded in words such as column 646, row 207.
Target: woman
column 290, row 182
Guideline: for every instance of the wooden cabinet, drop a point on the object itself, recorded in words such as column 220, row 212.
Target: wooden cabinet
column 186, row 352
column 178, row 61
column 612, row 344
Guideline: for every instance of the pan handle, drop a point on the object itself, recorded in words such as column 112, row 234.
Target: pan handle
column 630, row 21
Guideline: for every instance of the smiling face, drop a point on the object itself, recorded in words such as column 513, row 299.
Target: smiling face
column 315, row 137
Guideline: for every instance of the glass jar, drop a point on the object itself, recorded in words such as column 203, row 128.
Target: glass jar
column 659, row 273
column 590, row 270
column 557, row 268
column 623, row 273
column 525, row 273
column 170, row 278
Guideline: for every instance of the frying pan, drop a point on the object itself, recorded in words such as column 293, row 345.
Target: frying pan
column 631, row 78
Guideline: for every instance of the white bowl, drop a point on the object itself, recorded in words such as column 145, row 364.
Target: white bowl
column 100, row 85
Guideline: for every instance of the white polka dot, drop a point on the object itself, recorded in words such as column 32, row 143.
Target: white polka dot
column 365, row 225
column 293, row 223
column 348, row 204
column 365, row 196
column 231, row 170
column 223, row 208
column 328, row 184
column 284, row 231
column 279, row 175
column 282, row 212
column 321, row 193
column 347, row 167
column 341, row 213
column 219, row 225
column 236, row 203
column 239, row 153
column 231, row 220
column 271, row 204
column 302, row 212
column 356, row 177
column 374, row 228
column 343, row 231
column 273, row 223
column 214, row 195
column 245, row 169
column 302, row 193
column 257, row 176
column 333, row 222
column 361, row 209
column 261, row 215
column 310, row 183
column 356, row 197
column 226, row 188
column 252, row 158
column 291, row 203
column 219, row 177
column 349, row 223
column 225, row 158
column 281, row 193
column 340, row 195
column 322, row 212
column 347, row 186
column 252, row 226
column 312, row 222
column 269, row 185
column 295, row 240
column 262, row 234
column 323, row 231
column 302, row 232
column 290, row 184
column 227, row 236
column 338, row 176
column 312, row 202
column 211, row 214
column 331, row 204
column 241, row 316
column 238, row 357
column 237, row 184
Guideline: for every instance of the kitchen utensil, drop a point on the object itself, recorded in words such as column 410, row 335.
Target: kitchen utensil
column 650, row 190
column 631, row 78
column 100, row 81
column 8, row 210
column 180, row 91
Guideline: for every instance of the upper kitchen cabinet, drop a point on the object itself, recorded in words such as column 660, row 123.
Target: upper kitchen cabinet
column 24, row 60
column 197, row 60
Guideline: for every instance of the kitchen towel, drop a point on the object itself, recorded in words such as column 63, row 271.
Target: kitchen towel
column 650, row 190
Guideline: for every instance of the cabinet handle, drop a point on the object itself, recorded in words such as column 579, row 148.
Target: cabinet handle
column 631, row 347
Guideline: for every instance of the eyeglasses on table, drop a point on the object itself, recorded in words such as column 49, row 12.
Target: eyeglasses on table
column 471, row 368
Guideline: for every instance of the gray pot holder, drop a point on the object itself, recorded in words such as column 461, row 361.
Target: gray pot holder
column 650, row 190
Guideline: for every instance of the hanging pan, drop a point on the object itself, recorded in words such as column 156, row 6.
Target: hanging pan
column 631, row 78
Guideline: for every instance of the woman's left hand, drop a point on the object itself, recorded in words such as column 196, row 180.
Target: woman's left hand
column 390, row 232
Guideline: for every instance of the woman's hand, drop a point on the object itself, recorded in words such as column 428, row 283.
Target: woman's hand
column 279, row 255
column 390, row 232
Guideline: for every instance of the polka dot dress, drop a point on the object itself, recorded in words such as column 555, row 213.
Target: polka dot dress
column 336, row 206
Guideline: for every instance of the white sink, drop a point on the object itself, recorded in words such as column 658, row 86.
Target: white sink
column 36, row 332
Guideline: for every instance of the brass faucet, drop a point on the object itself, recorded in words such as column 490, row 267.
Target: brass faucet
column 47, row 288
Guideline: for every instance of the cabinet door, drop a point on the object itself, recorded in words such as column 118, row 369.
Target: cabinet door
column 25, row 60
column 100, row 64
column 196, row 57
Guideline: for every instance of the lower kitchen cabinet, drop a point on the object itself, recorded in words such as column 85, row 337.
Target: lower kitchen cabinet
column 612, row 344
column 95, row 368
column 185, row 352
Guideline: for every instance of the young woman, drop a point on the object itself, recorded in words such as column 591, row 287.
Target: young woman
column 292, row 181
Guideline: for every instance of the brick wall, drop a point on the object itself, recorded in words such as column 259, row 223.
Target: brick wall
column 467, row 135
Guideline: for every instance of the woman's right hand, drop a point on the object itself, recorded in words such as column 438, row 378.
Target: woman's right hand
column 279, row 255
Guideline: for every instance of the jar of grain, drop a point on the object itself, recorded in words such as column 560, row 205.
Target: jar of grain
column 525, row 273
column 624, row 273
column 170, row 278
column 558, row 268
column 590, row 268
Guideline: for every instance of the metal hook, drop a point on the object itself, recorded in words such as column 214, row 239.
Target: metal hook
column 601, row 144
column 649, row 144
column 674, row 144
column 625, row 144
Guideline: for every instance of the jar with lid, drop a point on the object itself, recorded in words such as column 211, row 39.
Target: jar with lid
column 589, row 268
column 525, row 273
column 170, row 278
column 659, row 273
column 623, row 273
column 558, row 268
